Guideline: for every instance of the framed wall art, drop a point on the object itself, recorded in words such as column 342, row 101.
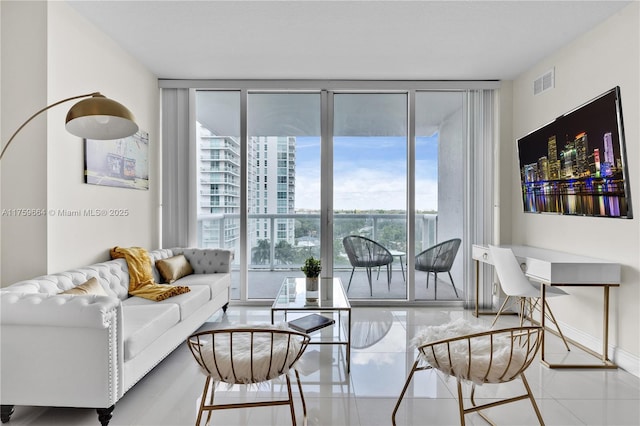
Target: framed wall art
column 120, row 162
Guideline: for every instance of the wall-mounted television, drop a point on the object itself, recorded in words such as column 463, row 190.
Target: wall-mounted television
column 577, row 165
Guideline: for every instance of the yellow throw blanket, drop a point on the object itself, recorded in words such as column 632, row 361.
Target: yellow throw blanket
column 141, row 281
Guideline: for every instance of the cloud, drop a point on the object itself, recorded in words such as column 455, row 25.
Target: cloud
column 371, row 188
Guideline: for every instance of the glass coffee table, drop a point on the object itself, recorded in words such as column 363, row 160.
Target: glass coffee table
column 292, row 298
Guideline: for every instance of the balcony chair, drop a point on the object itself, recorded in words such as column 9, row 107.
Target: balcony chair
column 247, row 355
column 438, row 258
column 461, row 350
column 366, row 253
column 515, row 284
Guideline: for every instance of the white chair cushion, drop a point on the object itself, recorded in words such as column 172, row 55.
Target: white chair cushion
column 484, row 366
column 267, row 360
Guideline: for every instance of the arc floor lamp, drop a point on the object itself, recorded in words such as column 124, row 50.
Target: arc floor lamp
column 95, row 118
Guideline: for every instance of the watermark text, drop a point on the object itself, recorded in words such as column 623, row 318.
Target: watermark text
column 88, row 212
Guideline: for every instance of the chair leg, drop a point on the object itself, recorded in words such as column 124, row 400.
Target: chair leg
column 500, row 311
column 293, row 411
column 473, row 402
column 352, row 271
column 452, row 283
column 428, row 273
column 389, row 272
column 460, row 403
column 435, row 286
column 369, row 274
column 532, row 399
column 553, row 319
column 203, row 404
column 549, row 314
column 304, row 404
column 404, row 390
column 523, row 310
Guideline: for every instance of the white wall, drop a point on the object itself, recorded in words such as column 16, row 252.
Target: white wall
column 76, row 59
column 24, row 166
column 606, row 57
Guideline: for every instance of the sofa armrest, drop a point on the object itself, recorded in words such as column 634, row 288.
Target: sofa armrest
column 207, row 261
column 61, row 350
column 53, row 310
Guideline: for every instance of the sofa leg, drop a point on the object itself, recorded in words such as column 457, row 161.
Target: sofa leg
column 5, row 412
column 104, row 415
column 225, row 307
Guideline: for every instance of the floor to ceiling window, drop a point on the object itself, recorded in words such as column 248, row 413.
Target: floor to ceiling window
column 218, row 170
column 284, row 171
column 440, row 141
column 283, row 187
column 370, row 193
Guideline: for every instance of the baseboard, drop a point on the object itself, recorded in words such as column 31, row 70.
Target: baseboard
column 623, row 359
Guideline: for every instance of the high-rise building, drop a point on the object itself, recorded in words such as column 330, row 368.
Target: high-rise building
column 581, row 144
column 270, row 189
column 218, row 190
column 552, row 158
column 530, row 172
column 594, row 162
column 609, row 161
column 543, row 168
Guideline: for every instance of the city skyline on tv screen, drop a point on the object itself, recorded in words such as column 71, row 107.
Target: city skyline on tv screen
column 576, row 164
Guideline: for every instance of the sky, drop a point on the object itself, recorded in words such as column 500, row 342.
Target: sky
column 369, row 173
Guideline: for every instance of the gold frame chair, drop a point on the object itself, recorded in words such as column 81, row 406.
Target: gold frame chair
column 454, row 357
column 237, row 356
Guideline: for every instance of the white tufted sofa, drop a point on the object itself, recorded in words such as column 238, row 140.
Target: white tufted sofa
column 87, row 351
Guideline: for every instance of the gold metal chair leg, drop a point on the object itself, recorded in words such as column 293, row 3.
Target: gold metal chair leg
column 460, row 403
column 404, row 389
column 500, row 311
column 532, row 399
column 293, row 411
column 203, row 403
column 304, row 404
column 473, row 402
column 553, row 319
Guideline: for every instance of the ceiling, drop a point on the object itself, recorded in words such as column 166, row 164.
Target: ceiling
column 332, row 39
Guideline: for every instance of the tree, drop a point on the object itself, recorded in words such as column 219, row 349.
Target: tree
column 284, row 252
column 260, row 253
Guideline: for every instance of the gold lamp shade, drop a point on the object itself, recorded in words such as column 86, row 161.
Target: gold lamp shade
column 100, row 118
column 95, row 118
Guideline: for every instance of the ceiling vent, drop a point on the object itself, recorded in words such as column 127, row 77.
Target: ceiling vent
column 545, row 82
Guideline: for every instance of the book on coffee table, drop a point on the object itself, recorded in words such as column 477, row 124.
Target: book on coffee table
column 310, row 323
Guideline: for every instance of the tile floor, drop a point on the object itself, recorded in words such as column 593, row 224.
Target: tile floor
column 381, row 360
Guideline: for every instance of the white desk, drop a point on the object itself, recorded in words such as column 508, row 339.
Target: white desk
column 554, row 268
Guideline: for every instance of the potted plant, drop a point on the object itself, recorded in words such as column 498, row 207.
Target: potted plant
column 311, row 269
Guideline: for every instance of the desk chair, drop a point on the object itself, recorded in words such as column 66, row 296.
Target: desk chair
column 515, row 284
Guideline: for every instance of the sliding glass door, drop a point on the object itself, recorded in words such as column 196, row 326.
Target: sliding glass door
column 285, row 173
column 370, row 193
column 283, row 187
column 440, row 173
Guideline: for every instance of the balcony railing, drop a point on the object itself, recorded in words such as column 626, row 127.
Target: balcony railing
column 267, row 253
